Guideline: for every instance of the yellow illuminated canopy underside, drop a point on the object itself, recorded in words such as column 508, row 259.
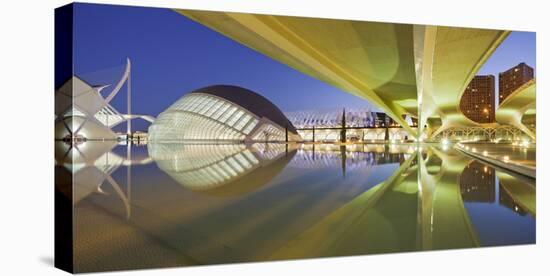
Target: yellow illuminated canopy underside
column 401, row 68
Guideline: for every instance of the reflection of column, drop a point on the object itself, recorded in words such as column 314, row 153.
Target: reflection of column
column 343, row 154
column 286, row 149
column 425, row 204
column 506, row 200
column 516, row 194
column 129, row 176
column 313, row 133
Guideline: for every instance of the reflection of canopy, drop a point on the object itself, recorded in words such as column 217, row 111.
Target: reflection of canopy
column 522, row 193
column 221, row 169
column 397, row 67
column 424, row 188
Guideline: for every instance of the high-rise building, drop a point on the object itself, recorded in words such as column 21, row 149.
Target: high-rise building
column 478, row 101
column 512, row 79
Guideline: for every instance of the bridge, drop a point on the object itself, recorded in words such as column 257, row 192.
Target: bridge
column 403, row 69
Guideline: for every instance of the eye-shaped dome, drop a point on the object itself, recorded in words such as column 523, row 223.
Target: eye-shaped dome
column 222, row 113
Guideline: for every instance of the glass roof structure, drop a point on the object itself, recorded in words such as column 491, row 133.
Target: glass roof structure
column 222, row 113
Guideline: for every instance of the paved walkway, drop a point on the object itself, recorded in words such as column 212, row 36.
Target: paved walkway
column 518, row 158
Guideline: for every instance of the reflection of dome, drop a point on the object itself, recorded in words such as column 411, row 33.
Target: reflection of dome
column 221, row 170
column 222, row 112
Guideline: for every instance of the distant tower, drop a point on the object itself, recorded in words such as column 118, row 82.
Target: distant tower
column 129, row 100
column 343, row 131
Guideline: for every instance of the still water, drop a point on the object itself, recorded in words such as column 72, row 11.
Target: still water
column 165, row 205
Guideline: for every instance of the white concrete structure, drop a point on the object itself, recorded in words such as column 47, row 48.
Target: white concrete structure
column 222, row 113
column 82, row 111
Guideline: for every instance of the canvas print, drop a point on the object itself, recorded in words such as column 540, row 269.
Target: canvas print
column 189, row 137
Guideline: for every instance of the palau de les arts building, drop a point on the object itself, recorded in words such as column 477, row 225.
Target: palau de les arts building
column 222, row 113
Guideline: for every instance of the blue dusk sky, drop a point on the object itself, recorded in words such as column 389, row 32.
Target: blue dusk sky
column 172, row 55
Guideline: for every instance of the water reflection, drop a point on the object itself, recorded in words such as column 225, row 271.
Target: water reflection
column 477, row 183
column 225, row 170
column 517, row 195
column 206, row 204
column 90, row 165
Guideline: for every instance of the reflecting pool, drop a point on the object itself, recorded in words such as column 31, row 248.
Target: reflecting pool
column 190, row 204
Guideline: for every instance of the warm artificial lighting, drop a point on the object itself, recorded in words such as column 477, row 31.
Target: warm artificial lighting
column 525, row 143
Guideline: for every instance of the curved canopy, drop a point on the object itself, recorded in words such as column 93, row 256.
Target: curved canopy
column 368, row 59
column 401, row 68
column 512, row 109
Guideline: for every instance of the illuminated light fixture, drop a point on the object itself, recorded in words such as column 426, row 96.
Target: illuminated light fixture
column 474, row 150
column 484, row 153
column 506, row 158
column 525, row 143
column 445, row 141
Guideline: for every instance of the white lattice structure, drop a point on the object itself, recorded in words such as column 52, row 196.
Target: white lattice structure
column 82, row 110
column 355, row 117
column 222, row 113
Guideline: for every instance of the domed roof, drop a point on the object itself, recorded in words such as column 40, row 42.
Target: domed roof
column 250, row 101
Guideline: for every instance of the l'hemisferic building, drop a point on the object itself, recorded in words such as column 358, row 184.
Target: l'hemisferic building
column 222, row 113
